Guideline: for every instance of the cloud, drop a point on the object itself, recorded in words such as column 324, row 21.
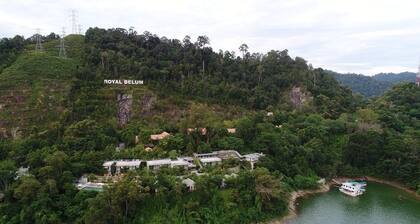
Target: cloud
column 348, row 36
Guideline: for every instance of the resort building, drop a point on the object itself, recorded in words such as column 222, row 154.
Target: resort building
column 205, row 159
column 179, row 162
column 84, row 184
column 189, row 183
column 210, row 161
column 121, row 165
column 160, row 136
column 231, row 130
column 22, row 171
column 228, row 154
column 156, row 164
column 252, row 158
column 202, row 131
column 204, row 155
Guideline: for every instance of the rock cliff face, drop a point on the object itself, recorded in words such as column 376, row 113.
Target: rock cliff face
column 125, row 103
column 147, row 104
column 298, row 97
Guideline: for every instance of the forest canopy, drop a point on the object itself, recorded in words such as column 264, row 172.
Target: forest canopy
column 306, row 124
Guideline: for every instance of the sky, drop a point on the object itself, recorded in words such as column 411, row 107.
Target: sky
column 349, row 36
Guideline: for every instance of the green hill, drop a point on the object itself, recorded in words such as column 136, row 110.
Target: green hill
column 59, row 118
column 34, row 88
column 376, row 85
column 41, row 88
column 395, row 77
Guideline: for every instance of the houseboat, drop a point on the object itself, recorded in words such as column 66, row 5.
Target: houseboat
column 352, row 188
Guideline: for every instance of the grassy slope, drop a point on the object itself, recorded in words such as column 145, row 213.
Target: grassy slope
column 34, row 88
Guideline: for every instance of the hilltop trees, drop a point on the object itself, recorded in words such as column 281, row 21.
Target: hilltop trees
column 194, row 70
column 10, row 49
column 331, row 133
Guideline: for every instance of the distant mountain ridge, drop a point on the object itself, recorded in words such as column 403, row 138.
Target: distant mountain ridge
column 376, row 85
column 396, row 77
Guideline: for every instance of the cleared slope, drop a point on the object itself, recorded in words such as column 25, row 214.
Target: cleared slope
column 33, row 89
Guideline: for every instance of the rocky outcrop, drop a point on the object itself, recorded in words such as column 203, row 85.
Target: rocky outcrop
column 125, row 103
column 15, row 132
column 298, row 97
column 147, row 104
column 3, row 132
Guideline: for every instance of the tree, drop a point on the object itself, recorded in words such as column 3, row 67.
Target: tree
column 230, row 142
column 363, row 149
column 269, row 190
column 28, row 189
column 87, row 135
column 7, row 173
column 118, row 203
column 202, row 41
column 244, row 49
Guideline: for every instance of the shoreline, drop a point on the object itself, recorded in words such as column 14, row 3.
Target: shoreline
column 394, row 184
column 295, row 195
column 292, row 213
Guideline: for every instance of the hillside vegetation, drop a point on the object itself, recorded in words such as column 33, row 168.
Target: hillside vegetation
column 35, row 87
column 59, row 119
column 371, row 86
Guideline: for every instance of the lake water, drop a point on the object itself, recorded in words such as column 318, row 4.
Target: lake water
column 380, row 204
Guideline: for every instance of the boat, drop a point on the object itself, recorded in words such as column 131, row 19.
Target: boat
column 362, row 184
column 352, row 188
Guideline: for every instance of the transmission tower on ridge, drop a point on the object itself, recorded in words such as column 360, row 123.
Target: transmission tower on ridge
column 73, row 17
column 62, row 52
column 418, row 76
column 38, row 38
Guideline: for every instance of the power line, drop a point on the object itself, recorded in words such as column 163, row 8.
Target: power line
column 38, row 37
column 73, row 17
column 62, row 52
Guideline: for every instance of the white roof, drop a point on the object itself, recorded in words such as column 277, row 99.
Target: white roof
column 253, row 156
column 179, row 162
column 160, row 136
column 128, row 163
column 188, row 182
column 205, row 154
column 210, row 160
column 158, row 162
column 231, row 130
column 90, row 185
column 108, row 163
column 122, row 163
column 224, row 154
column 186, row 158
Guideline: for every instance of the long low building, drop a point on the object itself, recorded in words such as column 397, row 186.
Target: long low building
column 121, row 165
column 204, row 155
column 179, row 162
column 205, row 159
column 210, row 161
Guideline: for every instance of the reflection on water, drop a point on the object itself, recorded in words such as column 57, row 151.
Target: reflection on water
column 381, row 204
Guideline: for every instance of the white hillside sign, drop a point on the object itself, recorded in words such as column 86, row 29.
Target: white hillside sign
column 122, row 82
